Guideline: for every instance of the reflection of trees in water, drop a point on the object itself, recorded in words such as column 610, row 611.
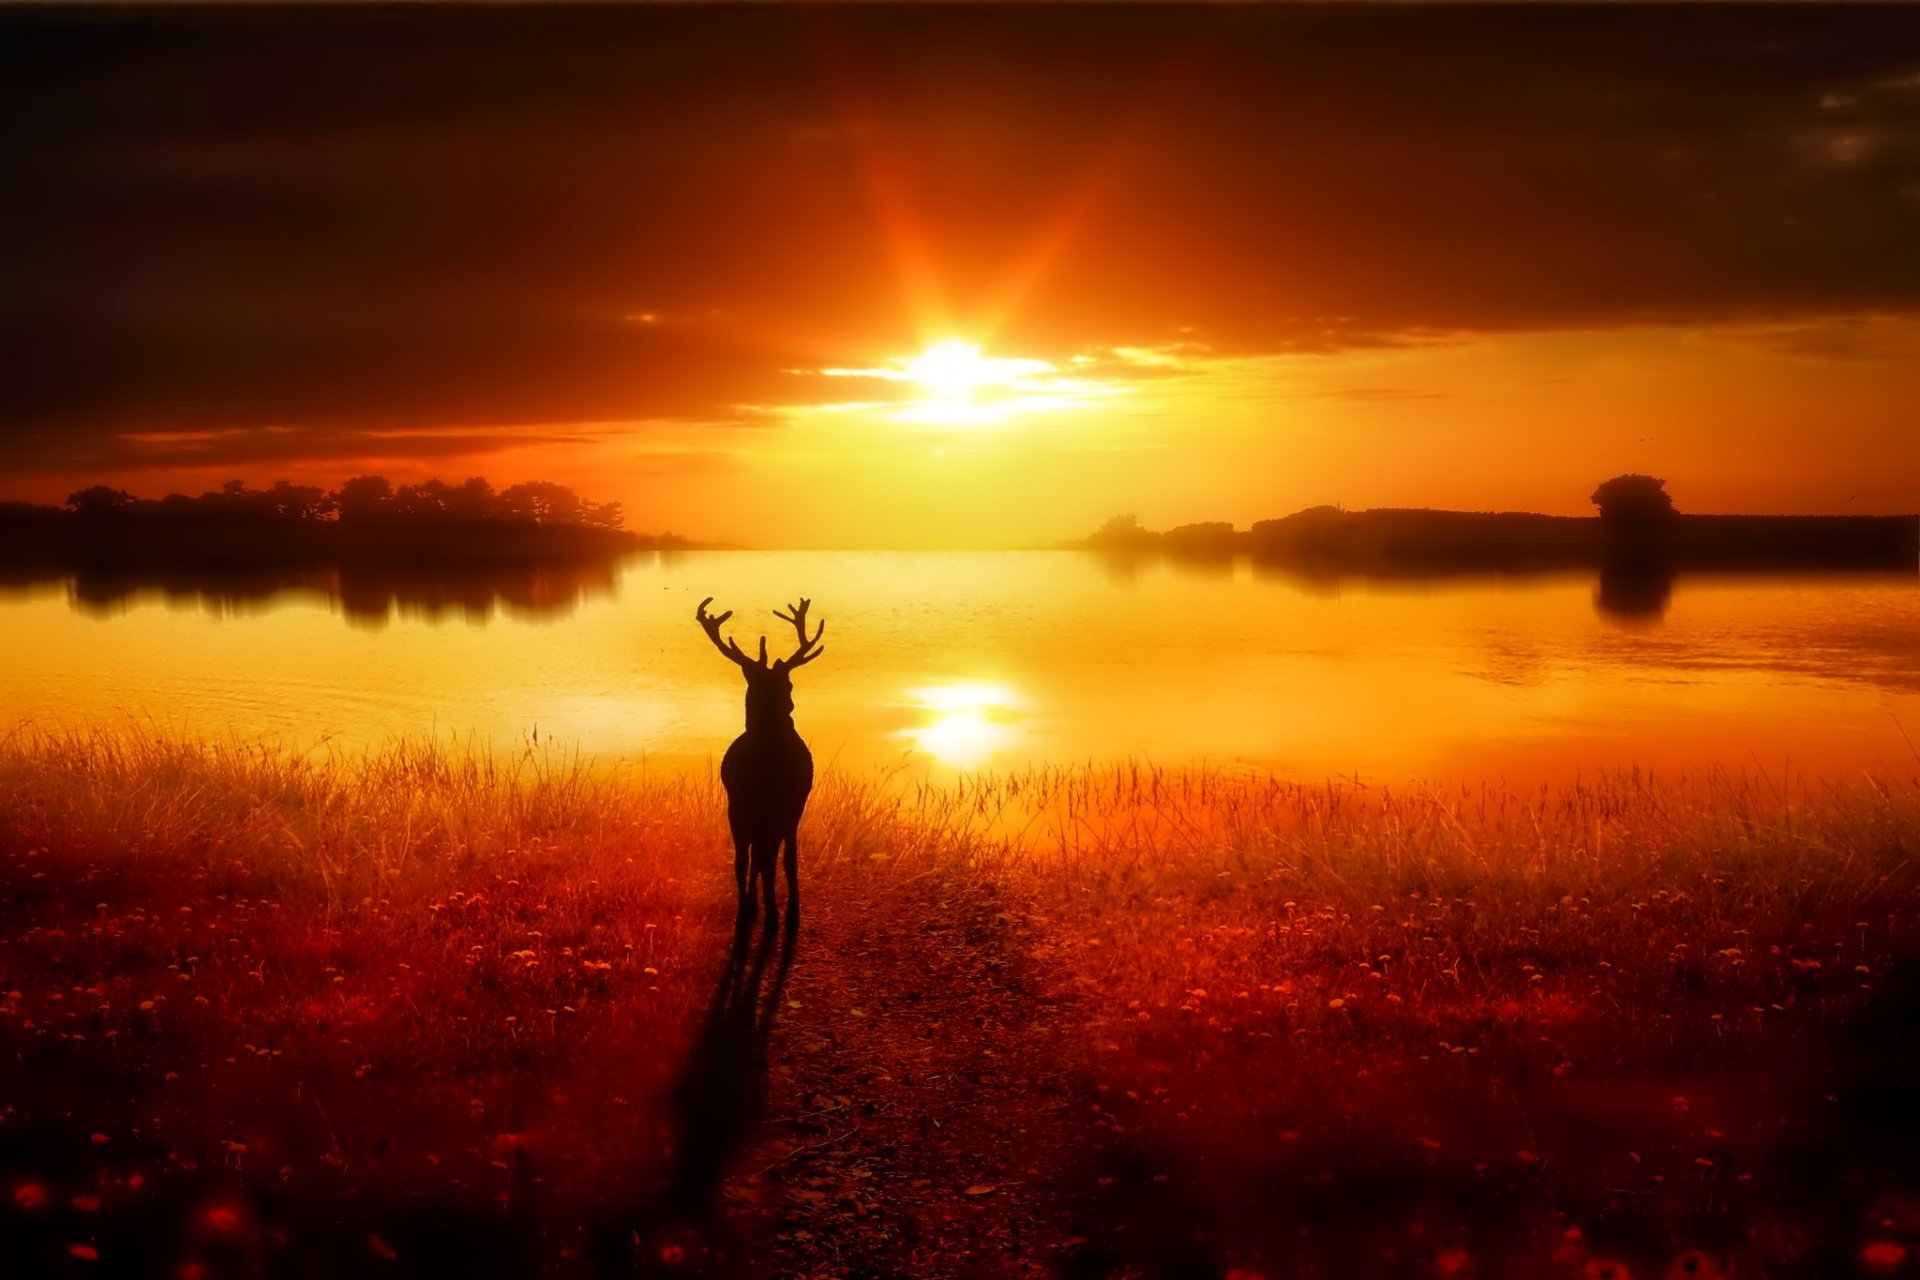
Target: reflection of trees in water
column 1119, row 565
column 1308, row 579
column 1634, row 588
column 535, row 591
column 1124, row 564
column 1201, row 562
column 368, row 595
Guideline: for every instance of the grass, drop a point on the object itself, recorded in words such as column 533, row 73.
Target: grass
column 317, row 1013
column 1607, row 1029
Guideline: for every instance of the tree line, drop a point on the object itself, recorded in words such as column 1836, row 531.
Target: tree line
column 360, row 500
column 1630, row 501
column 368, row 520
column 1637, row 529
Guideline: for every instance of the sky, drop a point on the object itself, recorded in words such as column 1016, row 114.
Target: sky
column 878, row 276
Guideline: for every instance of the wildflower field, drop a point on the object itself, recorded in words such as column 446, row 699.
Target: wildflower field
column 420, row 1012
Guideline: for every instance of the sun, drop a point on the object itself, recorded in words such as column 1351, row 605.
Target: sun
column 955, row 369
column 961, row 385
column 954, row 383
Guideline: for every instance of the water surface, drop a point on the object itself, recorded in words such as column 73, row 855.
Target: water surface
column 959, row 661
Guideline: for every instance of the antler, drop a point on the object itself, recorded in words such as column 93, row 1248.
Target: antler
column 809, row 646
column 728, row 648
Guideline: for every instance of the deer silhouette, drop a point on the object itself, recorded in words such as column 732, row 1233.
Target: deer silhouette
column 768, row 771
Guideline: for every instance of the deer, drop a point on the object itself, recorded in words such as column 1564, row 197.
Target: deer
column 768, row 771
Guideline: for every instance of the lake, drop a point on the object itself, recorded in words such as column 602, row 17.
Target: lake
column 938, row 662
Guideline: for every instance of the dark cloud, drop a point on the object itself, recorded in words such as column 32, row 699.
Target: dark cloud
column 342, row 219
column 1844, row 338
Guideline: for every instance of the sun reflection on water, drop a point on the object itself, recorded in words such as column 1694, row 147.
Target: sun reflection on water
column 964, row 724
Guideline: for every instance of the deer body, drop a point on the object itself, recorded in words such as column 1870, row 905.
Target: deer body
column 768, row 771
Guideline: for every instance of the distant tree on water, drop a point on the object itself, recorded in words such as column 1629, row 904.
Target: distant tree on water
column 367, row 519
column 1633, row 499
column 291, row 501
column 100, row 499
column 544, row 502
column 1639, row 541
column 1202, row 531
column 1122, row 531
column 363, row 497
column 541, row 502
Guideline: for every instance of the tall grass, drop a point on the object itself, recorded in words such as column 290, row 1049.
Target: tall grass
column 1128, row 827
column 1159, row 881
column 359, row 822
column 348, row 823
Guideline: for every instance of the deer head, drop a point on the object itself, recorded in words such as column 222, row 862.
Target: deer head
column 769, row 684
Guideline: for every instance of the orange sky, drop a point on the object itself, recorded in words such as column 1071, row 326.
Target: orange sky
column 1211, row 264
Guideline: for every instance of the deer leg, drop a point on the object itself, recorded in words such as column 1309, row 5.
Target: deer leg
column 765, row 853
column 792, row 859
column 745, row 886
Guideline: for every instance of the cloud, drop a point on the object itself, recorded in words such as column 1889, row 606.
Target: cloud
column 1848, row 338
column 340, row 220
column 253, row 448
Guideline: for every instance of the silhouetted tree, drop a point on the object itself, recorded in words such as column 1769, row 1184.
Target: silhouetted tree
column 474, row 500
column 424, row 501
column 24, row 524
column 1632, row 499
column 1122, row 531
column 298, row 501
column 1203, row 531
column 604, row 515
column 364, row 496
column 1324, row 513
column 233, row 498
column 366, row 520
column 542, row 502
column 100, row 499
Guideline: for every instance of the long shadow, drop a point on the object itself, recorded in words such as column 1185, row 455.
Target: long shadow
column 716, row 1102
column 722, row 1088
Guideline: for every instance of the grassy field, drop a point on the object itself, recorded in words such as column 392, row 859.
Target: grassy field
column 415, row 1012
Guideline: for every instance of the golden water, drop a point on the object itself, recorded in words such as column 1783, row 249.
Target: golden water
column 972, row 660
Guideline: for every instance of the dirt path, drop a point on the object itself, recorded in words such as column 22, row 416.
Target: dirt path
column 922, row 1100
